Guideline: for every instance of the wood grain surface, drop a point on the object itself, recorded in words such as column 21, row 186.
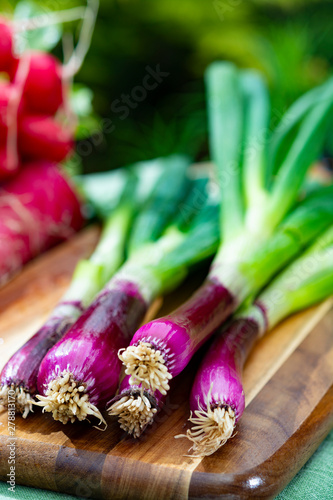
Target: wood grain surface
column 288, row 385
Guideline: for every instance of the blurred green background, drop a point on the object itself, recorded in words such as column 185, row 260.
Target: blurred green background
column 289, row 41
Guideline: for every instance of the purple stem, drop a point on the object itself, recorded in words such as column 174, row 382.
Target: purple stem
column 221, row 369
column 180, row 334
column 22, row 368
column 89, row 349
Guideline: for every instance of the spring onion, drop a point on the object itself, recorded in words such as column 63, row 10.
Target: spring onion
column 114, row 197
column 301, row 227
column 81, row 372
column 217, row 399
column 20, row 372
column 162, row 348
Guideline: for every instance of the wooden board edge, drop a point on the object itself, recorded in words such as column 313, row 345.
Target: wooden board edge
column 28, row 470
column 260, row 482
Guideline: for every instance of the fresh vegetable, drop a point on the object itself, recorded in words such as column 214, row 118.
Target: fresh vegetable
column 85, row 362
column 162, row 348
column 29, row 137
column 217, row 399
column 41, row 137
column 11, row 107
column 134, row 407
column 6, row 45
column 113, row 196
column 46, row 75
column 38, row 208
column 313, row 216
column 20, row 372
column 8, row 163
column 38, row 87
column 43, row 86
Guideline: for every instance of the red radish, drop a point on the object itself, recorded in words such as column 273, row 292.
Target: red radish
column 12, row 68
column 10, row 109
column 38, row 208
column 43, row 86
column 41, row 137
column 7, row 91
column 8, row 163
column 6, row 45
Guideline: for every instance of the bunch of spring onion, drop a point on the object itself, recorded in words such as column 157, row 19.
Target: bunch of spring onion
column 217, row 397
column 115, row 197
column 20, row 372
column 254, row 203
column 305, row 223
column 81, row 372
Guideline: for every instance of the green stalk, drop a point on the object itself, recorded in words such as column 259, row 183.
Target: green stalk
column 119, row 193
column 246, row 266
column 92, row 274
column 162, row 265
column 285, row 133
column 305, row 282
column 152, row 262
column 200, row 241
column 163, row 203
column 304, row 151
column 225, row 123
column 313, row 216
column 102, row 191
column 192, row 204
column 236, row 264
column 190, row 237
column 257, row 108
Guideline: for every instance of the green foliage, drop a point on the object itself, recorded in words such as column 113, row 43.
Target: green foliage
column 41, row 39
column 289, row 42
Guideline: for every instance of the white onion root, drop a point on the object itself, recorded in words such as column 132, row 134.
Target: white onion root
column 21, row 398
column 146, row 366
column 67, row 400
column 134, row 411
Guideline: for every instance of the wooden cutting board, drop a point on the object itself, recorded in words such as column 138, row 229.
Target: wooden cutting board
column 288, row 384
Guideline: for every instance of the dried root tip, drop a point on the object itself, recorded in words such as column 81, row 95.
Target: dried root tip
column 18, row 396
column 146, row 366
column 67, row 400
column 134, row 411
column 212, row 429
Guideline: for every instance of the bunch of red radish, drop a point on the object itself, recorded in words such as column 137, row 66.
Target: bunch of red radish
column 39, row 206
column 31, row 95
